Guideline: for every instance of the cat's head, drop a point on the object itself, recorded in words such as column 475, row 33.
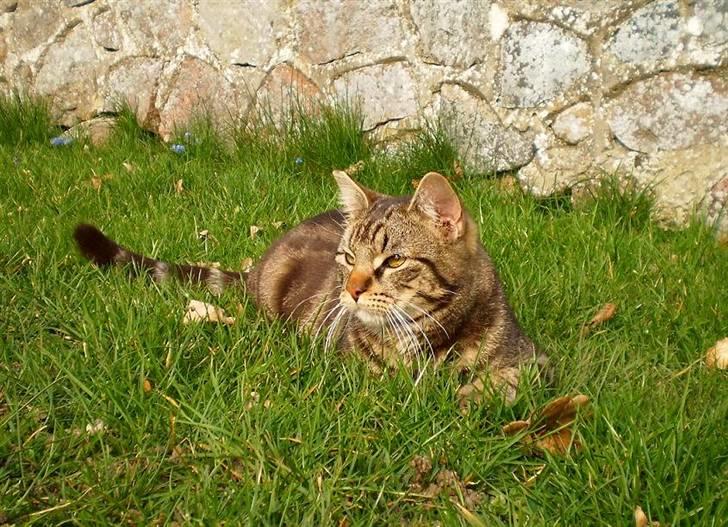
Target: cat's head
column 404, row 259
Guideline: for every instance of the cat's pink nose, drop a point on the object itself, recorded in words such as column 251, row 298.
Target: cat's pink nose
column 357, row 284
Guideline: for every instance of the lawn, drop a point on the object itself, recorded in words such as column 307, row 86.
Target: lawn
column 114, row 411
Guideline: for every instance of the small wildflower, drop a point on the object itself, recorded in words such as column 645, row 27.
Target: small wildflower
column 61, row 140
column 178, row 148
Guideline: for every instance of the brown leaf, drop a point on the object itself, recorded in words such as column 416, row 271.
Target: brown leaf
column 96, row 183
column 354, row 168
column 550, row 429
column 457, row 169
column 202, row 312
column 605, row 314
column 717, row 356
column 179, row 187
column 148, row 386
column 254, row 230
column 415, row 183
column 640, row 518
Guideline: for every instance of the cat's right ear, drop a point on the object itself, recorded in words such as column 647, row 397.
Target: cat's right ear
column 354, row 198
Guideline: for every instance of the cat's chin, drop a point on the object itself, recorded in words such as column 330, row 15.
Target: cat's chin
column 369, row 319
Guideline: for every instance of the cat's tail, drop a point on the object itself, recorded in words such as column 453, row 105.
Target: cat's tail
column 105, row 252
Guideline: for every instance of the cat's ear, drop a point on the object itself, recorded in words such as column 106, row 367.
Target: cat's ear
column 354, row 198
column 436, row 199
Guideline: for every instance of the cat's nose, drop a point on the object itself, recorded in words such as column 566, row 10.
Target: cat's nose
column 357, row 284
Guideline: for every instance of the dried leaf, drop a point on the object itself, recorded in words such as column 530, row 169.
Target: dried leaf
column 96, row 183
column 415, row 183
column 353, row 169
column 96, row 427
column 550, row 429
column 246, row 264
column 277, row 224
column 148, row 386
column 457, row 169
column 202, row 312
column 605, row 314
column 128, row 166
column 254, row 230
column 203, row 234
column 179, row 186
column 717, row 356
column 640, row 518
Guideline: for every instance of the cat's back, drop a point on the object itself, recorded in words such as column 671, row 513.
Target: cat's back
column 298, row 272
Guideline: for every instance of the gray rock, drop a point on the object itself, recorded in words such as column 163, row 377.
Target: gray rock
column 483, row 141
column 155, row 27
column 671, row 111
column 106, row 31
column 33, row 25
column 574, row 124
column 452, row 33
column 242, row 33
column 134, row 81
column 651, row 35
column 331, row 30
column 538, row 63
column 68, row 73
column 385, row 91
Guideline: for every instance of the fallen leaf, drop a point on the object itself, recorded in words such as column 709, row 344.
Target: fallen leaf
column 415, row 183
column 641, row 519
column 254, row 230
column 457, row 169
column 202, row 312
column 128, row 166
column 96, row 183
column 246, row 264
column 550, row 429
column 179, row 187
column 277, row 224
column 354, row 168
column 203, row 234
column 148, row 386
column 717, row 356
column 96, row 427
column 605, row 314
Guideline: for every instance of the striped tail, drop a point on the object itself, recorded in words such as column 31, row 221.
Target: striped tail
column 104, row 252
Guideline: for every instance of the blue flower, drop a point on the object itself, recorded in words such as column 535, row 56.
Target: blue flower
column 298, row 161
column 61, row 140
column 178, row 148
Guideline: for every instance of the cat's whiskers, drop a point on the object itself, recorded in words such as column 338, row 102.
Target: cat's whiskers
column 397, row 312
column 339, row 305
column 316, row 314
column 402, row 312
column 425, row 313
column 332, row 329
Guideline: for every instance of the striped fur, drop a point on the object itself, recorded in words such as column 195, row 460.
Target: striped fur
column 399, row 280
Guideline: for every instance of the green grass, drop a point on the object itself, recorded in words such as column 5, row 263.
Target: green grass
column 322, row 441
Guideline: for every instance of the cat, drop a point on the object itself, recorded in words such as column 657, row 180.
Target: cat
column 395, row 279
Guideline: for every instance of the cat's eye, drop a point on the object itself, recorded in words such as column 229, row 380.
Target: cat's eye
column 349, row 258
column 394, row 261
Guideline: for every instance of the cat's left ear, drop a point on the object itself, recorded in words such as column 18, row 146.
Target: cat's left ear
column 354, row 198
column 436, row 199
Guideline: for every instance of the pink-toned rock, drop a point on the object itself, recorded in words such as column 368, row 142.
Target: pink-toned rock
column 155, row 27
column 334, row 29
column 196, row 88
column 106, row 31
column 34, row 23
column 284, row 87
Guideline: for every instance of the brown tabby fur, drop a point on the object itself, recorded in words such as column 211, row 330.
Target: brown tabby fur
column 439, row 298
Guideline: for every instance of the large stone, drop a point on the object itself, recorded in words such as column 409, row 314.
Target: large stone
column 68, row 74
column 285, row 89
column 539, row 62
column 197, row 90
column 337, row 28
column 155, row 27
column 440, row 42
column 574, row 124
column 682, row 180
column 385, row 91
column 482, row 140
column 106, row 31
column 659, row 36
column 134, row 81
column 670, row 111
column 244, row 33
column 34, row 24
column 555, row 169
column 715, row 208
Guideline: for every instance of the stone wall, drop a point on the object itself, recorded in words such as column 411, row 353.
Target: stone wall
column 557, row 91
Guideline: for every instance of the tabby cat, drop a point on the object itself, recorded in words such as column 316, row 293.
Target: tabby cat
column 391, row 278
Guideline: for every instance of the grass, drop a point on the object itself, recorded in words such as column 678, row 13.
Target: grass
column 252, row 423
